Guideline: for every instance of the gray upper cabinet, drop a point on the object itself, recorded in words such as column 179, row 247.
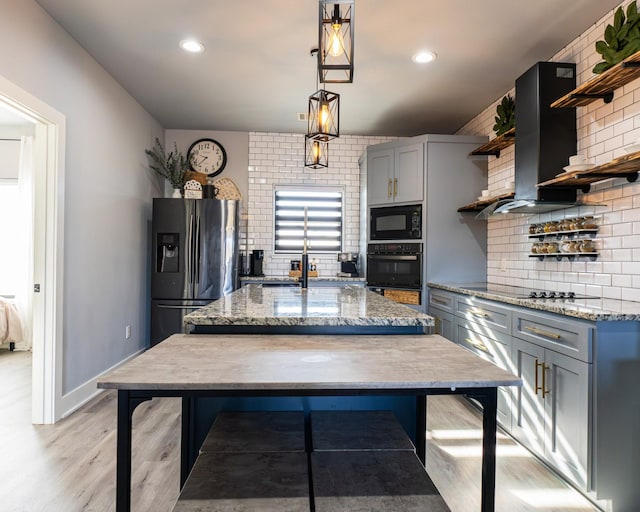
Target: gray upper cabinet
column 396, row 174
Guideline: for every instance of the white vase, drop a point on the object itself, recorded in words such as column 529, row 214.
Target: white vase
column 176, row 193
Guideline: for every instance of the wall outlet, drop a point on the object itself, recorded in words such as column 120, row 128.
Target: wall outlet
column 127, row 332
column 503, row 264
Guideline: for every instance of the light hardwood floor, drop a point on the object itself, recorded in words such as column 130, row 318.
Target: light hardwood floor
column 70, row 466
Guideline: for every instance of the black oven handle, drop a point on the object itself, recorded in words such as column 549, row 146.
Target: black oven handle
column 405, row 257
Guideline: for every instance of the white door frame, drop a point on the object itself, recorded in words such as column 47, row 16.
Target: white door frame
column 48, row 243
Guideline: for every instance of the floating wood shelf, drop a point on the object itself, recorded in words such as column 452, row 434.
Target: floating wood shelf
column 569, row 255
column 624, row 167
column 564, row 234
column 496, row 144
column 478, row 206
column 602, row 86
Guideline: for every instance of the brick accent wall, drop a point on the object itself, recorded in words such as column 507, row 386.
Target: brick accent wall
column 603, row 132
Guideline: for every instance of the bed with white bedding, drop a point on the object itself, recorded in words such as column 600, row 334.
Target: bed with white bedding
column 10, row 324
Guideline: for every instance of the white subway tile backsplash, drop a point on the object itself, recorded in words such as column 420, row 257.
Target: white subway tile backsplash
column 603, row 132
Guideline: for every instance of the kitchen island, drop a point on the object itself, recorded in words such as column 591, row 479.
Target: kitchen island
column 339, row 310
column 256, row 309
column 268, row 366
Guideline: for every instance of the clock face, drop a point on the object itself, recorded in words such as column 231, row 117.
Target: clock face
column 207, row 156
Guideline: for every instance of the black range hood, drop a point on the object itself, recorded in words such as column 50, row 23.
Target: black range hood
column 545, row 139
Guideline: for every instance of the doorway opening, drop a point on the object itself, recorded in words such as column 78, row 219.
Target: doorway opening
column 46, row 272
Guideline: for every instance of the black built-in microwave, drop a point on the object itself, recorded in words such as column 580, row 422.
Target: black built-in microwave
column 396, row 222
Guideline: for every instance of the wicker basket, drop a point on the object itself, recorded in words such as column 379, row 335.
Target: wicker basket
column 403, row 296
column 298, row 273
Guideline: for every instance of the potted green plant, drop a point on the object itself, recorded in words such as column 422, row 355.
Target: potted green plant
column 621, row 40
column 506, row 118
column 171, row 167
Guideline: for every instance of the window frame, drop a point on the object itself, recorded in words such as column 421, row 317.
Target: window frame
column 307, row 189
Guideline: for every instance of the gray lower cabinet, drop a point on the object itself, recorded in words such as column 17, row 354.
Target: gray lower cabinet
column 481, row 327
column 441, row 306
column 552, row 410
column 494, row 347
column 552, row 413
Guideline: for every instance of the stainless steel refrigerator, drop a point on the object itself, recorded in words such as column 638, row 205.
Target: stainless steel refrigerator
column 195, row 259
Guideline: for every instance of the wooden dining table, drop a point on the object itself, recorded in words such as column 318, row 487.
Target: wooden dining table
column 251, row 365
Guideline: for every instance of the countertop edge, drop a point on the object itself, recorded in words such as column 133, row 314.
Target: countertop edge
column 541, row 306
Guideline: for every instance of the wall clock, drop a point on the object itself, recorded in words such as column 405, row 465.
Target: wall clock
column 207, row 156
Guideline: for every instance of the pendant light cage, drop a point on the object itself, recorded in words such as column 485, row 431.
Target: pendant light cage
column 316, row 153
column 336, row 31
column 323, row 116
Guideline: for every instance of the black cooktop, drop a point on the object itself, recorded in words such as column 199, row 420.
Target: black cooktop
column 528, row 293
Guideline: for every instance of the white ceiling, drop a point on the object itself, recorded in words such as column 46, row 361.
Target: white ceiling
column 256, row 73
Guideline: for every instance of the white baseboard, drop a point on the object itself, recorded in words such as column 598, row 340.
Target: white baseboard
column 75, row 399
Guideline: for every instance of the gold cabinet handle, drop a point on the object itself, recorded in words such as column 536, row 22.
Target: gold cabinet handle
column 536, row 366
column 477, row 344
column 389, row 189
column 439, row 301
column 395, row 187
column 540, row 332
column 479, row 313
column 545, row 391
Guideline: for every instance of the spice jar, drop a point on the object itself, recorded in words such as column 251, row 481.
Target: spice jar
column 532, row 229
column 587, row 246
column 552, row 248
column 589, row 223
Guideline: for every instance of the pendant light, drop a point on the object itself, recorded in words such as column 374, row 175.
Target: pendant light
column 336, row 30
column 323, row 115
column 316, row 153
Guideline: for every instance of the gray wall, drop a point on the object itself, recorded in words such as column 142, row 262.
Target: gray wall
column 107, row 194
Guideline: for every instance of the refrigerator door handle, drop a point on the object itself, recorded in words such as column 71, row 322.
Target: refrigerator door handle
column 188, row 261
column 196, row 264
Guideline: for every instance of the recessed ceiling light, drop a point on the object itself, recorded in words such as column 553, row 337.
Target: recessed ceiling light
column 423, row 57
column 191, row 45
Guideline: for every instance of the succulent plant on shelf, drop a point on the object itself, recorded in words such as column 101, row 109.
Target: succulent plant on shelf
column 506, row 118
column 171, row 167
column 621, row 40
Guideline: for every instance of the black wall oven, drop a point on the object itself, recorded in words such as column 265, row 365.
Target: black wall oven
column 396, row 265
column 396, row 222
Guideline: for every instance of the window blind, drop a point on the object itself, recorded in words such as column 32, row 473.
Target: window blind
column 324, row 220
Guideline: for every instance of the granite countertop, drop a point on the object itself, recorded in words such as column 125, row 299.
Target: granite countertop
column 320, row 362
column 594, row 309
column 316, row 306
column 268, row 279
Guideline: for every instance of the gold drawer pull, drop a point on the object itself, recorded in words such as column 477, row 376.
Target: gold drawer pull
column 477, row 344
column 540, row 332
column 439, row 301
column 389, row 188
column 395, row 187
column 537, row 365
column 545, row 391
column 479, row 313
